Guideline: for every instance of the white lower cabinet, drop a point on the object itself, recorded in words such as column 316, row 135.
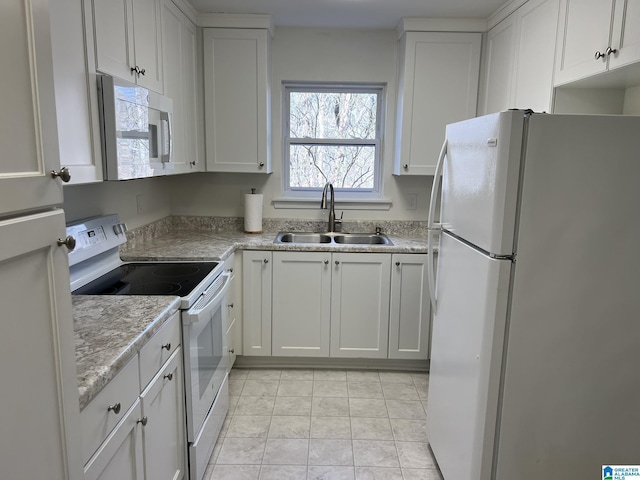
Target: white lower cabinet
column 301, row 304
column 163, row 432
column 128, row 434
column 234, row 309
column 120, row 456
column 341, row 305
column 410, row 310
column 256, row 303
column 360, row 304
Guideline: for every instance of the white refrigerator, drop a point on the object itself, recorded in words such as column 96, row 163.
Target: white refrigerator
column 535, row 357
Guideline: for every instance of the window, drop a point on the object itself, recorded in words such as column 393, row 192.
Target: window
column 333, row 134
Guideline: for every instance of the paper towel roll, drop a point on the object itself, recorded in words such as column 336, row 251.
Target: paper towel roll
column 253, row 213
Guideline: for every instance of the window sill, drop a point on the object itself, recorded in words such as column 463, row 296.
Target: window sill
column 309, row 204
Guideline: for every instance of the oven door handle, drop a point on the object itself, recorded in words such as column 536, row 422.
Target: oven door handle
column 209, row 300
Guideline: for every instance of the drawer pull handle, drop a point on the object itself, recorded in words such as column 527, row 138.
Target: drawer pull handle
column 169, row 376
column 167, row 346
column 143, row 421
column 115, row 408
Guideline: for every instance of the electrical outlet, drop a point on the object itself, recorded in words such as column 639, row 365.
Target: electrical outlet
column 412, row 201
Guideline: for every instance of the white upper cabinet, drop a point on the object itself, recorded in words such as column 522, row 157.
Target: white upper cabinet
column 437, row 85
column 596, row 36
column 499, row 66
column 128, row 40
column 237, row 100
column 519, row 59
column 179, row 52
column 76, row 92
column 28, row 135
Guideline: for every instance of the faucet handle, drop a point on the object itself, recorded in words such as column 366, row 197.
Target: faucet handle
column 378, row 230
column 338, row 223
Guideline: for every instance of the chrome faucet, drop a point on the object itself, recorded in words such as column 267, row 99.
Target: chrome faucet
column 332, row 210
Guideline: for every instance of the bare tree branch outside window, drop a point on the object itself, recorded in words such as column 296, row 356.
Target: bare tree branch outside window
column 333, row 137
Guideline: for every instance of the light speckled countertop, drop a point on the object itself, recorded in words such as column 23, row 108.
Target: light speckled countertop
column 202, row 245
column 109, row 330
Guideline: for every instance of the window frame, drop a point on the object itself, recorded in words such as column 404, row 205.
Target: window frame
column 359, row 194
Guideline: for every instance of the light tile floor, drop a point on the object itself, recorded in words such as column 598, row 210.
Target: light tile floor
column 324, row 424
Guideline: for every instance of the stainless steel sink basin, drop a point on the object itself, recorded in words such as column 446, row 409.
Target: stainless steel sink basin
column 290, row 237
column 333, row 238
column 362, row 239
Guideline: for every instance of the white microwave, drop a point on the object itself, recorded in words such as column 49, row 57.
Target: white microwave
column 135, row 127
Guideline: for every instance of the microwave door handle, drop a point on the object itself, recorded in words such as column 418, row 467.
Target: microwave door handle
column 193, row 315
column 166, row 145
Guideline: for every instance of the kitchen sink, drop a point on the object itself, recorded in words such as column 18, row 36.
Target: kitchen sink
column 362, row 239
column 302, row 237
column 333, row 238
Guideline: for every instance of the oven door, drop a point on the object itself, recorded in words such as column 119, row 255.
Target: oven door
column 205, row 352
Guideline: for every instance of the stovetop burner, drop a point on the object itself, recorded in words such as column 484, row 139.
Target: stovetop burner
column 149, row 278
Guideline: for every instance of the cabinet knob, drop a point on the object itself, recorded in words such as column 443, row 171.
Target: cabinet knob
column 230, row 305
column 610, row 50
column 115, row 408
column 405, row 166
column 261, row 164
column 135, row 70
column 232, row 351
column 69, row 241
column 397, row 264
column 230, row 270
column 141, row 71
column 63, row 173
column 326, row 262
column 266, row 260
column 337, row 262
column 193, row 163
column 166, row 346
column 143, row 421
column 169, row 376
column 599, row 55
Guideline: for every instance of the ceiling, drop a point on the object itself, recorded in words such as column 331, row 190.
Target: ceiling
column 350, row 13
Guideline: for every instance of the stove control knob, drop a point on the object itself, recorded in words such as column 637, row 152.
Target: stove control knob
column 70, row 242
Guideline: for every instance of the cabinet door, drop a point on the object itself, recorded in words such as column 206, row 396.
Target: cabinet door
column 40, row 417
column 439, row 85
column 28, row 136
column 234, row 343
column 113, row 36
column 360, row 284
column 76, row 92
column 301, row 304
column 585, row 27
column 163, row 435
column 192, row 93
column 537, row 26
column 120, row 456
column 626, row 33
column 174, row 80
column 256, row 303
column 237, row 90
column 147, row 36
column 410, row 311
column 500, row 65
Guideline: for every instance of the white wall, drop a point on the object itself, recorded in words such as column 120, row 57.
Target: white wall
column 83, row 201
column 632, row 101
column 313, row 55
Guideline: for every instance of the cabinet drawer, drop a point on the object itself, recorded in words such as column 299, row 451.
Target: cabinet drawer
column 158, row 349
column 97, row 420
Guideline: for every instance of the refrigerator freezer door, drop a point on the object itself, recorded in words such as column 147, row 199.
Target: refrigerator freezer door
column 571, row 394
column 480, row 180
column 468, row 334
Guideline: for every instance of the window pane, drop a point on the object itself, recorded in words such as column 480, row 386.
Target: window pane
column 311, row 166
column 333, row 115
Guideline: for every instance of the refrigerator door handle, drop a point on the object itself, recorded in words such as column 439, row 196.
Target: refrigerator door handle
column 432, row 225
